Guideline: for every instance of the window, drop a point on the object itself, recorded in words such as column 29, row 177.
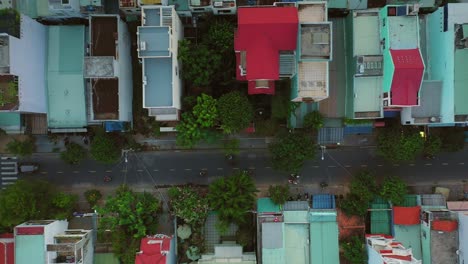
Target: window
column 65, row 2
column 383, row 21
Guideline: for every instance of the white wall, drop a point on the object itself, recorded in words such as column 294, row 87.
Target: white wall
column 178, row 32
column 125, row 73
column 28, row 61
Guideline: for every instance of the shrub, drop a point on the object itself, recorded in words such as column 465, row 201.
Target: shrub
column 313, row 120
column 92, row 197
column 279, row 193
column 74, row 153
column 355, row 251
column 21, row 148
column 394, row 189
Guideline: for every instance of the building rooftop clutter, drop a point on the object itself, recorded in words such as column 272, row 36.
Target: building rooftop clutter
column 261, row 34
column 157, row 39
column 228, row 253
column 158, row 249
column 314, row 51
column 71, row 246
column 383, row 249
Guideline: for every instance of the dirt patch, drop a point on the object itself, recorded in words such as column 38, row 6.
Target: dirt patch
column 105, row 99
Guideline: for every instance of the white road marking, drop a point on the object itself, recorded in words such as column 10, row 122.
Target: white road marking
column 139, row 170
column 331, row 166
column 220, row 168
column 59, row 172
column 379, row 165
column 76, row 172
column 363, row 165
column 461, row 163
column 188, row 169
column 411, row 164
column 155, row 170
column 9, row 178
column 347, row 166
column 172, row 169
column 7, row 183
column 267, row 167
column 92, row 171
column 108, row 171
column 445, row 163
column 428, row 164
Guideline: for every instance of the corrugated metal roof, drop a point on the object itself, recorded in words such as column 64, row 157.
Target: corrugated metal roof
column 273, row 256
column 297, row 248
column 296, row 216
column 380, row 219
column 272, row 235
column 266, row 205
column 411, row 200
column 324, row 247
column 437, row 200
column 330, row 135
column 323, row 215
column 65, row 83
column 323, row 201
column 296, row 206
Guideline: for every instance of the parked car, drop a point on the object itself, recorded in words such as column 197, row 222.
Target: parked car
column 28, row 167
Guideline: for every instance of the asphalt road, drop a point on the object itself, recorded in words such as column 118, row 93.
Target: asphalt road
column 179, row 167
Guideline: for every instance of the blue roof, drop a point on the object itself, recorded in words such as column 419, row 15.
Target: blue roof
column 114, row 126
column 156, row 41
column 158, row 88
column 323, row 201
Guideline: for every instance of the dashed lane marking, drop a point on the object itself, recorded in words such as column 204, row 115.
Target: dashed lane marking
column 445, row 163
column 461, row 163
column 316, row 166
column 155, row 170
column 428, row 164
column 267, row 167
column 411, row 164
column 331, row 166
column 59, row 172
column 92, row 171
column 172, row 169
column 220, row 168
column 379, row 165
column 76, row 172
column 188, row 169
column 108, row 171
column 139, row 170
column 363, row 165
column 347, row 166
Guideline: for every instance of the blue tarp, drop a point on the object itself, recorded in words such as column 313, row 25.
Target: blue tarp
column 112, row 126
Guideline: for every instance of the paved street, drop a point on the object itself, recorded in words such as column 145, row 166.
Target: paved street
column 178, row 167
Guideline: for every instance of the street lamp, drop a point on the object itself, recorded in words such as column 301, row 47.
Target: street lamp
column 323, row 150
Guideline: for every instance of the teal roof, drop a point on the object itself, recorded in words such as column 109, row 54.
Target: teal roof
column 366, row 34
column 65, row 81
column 273, row 256
column 266, row 205
column 410, row 237
column 29, row 249
column 367, row 94
column 411, row 200
column 461, row 81
column 33, row 8
column 8, row 119
column 324, row 247
column 296, row 237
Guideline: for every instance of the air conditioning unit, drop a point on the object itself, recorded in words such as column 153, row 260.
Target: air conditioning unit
column 142, row 45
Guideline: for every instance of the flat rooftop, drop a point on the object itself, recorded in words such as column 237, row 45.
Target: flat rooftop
column 154, row 41
column 105, row 99
column 315, row 41
column 66, row 92
column 461, row 81
column 310, row 12
column 403, row 32
column 104, row 35
column 367, row 92
column 312, row 79
column 157, row 82
column 430, row 100
column 366, row 34
column 99, row 66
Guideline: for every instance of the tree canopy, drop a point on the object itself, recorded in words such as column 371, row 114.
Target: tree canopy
column 399, row 143
column 73, row 154
column 232, row 197
column 354, row 250
column 105, row 149
column 362, row 190
column 189, row 205
column 394, row 190
column 130, row 216
column 313, row 120
column 235, row 112
column 290, row 150
column 279, row 194
column 33, row 199
column 21, row 148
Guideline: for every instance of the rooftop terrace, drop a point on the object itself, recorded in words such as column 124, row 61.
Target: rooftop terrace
column 366, row 35
column 105, row 99
column 313, row 79
column 104, row 35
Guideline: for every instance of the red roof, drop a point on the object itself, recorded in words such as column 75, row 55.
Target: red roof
column 262, row 32
column 407, row 78
column 7, row 249
column 153, row 250
column 444, row 225
column 406, row 215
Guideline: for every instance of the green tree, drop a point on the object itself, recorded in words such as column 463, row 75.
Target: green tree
column 205, row 111
column 199, row 62
column 220, row 36
column 33, row 199
column 21, row 148
column 399, row 144
column 130, row 216
column 105, row 149
column 189, row 132
column 354, row 250
column 232, row 197
column 313, row 120
column 362, row 190
column 291, row 150
column 231, row 146
column 279, row 194
column 432, row 145
column 394, row 190
column 189, row 205
column 235, row 112
column 92, row 196
column 74, row 153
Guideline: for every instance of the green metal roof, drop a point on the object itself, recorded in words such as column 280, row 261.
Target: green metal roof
column 273, row 256
column 10, row 119
column 29, row 249
column 411, row 200
column 33, row 8
column 65, row 83
column 461, row 81
column 324, row 248
column 380, row 219
column 266, row 205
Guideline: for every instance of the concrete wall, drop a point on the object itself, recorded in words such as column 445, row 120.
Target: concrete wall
column 125, row 73
column 178, row 31
column 28, row 57
column 463, row 236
